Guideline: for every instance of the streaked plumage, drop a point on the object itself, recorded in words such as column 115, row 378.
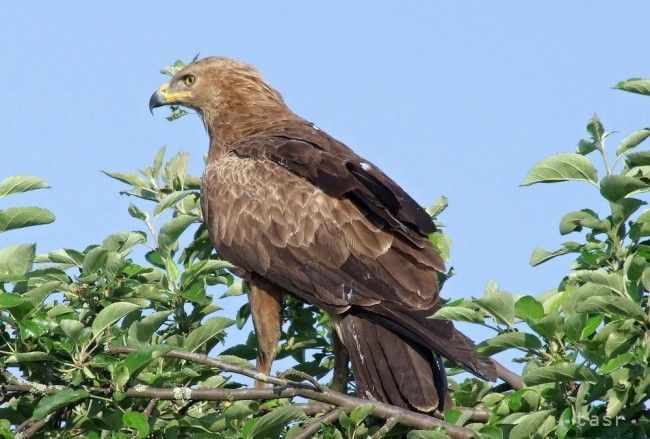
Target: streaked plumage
column 301, row 213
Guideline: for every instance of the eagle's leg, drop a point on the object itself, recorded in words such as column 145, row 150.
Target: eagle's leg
column 341, row 359
column 266, row 302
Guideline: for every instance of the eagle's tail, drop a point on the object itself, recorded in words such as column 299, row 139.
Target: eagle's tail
column 396, row 353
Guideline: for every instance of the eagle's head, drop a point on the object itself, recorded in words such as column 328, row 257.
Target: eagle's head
column 217, row 86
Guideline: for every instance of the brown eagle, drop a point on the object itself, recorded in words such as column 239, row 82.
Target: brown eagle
column 300, row 213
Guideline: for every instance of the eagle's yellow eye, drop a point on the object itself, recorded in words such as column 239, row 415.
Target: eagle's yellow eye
column 189, row 79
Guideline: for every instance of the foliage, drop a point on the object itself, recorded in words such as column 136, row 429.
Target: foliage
column 585, row 343
column 67, row 315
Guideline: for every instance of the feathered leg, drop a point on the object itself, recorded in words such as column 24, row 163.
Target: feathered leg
column 266, row 308
column 341, row 359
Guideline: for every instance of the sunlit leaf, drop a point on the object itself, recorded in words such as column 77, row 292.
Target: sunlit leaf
column 20, row 217
column 209, row 330
column 612, row 305
column 632, row 141
column 20, row 183
column 15, row 261
column 498, row 304
column 562, row 167
column 635, row 85
column 615, row 187
column 137, row 421
column 508, row 340
column 111, row 314
column 534, row 375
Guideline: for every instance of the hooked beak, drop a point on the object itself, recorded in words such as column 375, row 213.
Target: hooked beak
column 163, row 96
column 156, row 101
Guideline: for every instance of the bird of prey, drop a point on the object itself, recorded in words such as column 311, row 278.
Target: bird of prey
column 300, row 213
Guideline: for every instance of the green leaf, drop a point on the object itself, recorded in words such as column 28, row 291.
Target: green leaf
column 498, row 304
column 575, row 221
column 129, row 178
column 528, row 308
column 361, row 412
column 9, row 300
column 140, row 332
column 624, row 208
column 585, row 147
column 137, row 213
column 612, row 305
column 62, row 256
column 595, row 129
column 527, row 426
column 426, row 434
column 72, row 328
column 137, row 421
column 236, row 289
column 111, row 314
column 438, row 207
column 138, row 360
column 441, row 242
column 171, row 71
column 170, row 200
column 60, row 399
column 21, row 183
column 171, row 231
column 616, row 362
column 270, row 425
column 508, row 340
column 635, row 85
column 540, row 255
column 15, row 261
column 641, row 226
column 210, row 329
column 592, row 324
column 613, row 281
column 157, row 162
column 632, row 141
column 38, row 294
column 124, row 241
column 561, row 167
column 20, row 217
column 560, row 372
column 120, row 375
column 637, row 159
column 28, row 357
column 615, row 187
column 94, row 260
column 459, row 313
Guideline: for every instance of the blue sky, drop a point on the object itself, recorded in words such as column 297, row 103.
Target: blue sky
column 449, row 98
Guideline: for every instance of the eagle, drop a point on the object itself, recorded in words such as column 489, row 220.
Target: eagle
column 300, row 213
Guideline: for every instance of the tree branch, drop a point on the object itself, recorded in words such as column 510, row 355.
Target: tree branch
column 312, row 428
column 508, row 376
column 284, row 388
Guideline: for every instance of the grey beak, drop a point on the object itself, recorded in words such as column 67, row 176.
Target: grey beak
column 156, row 101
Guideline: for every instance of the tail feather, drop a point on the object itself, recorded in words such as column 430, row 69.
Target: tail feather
column 396, row 355
column 389, row 368
column 440, row 336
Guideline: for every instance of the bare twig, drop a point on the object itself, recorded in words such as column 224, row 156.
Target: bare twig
column 213, row 362
column 508, row 376
column 312, row 428
column 303, row 376
column 34, row 427
column 385, row 429
column 315, row 408
column 149, row 409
